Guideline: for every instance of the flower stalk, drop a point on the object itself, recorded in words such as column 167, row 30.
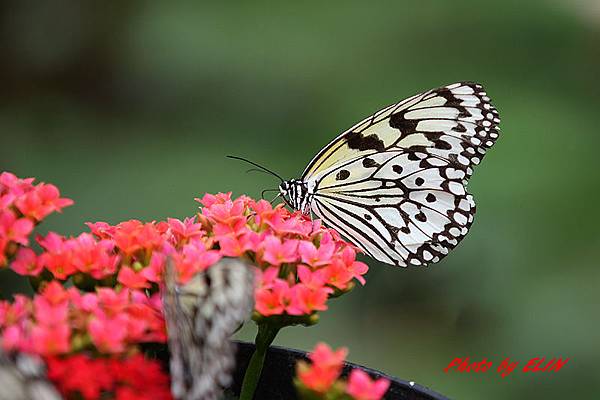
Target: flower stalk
column 265, row 336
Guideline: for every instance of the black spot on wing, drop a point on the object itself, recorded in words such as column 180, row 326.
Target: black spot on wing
column 406, row 126
column 369, row 163
column 421, row 217
column 357, row 141
column 459, row 128
column 343, row 174
column 441, row 144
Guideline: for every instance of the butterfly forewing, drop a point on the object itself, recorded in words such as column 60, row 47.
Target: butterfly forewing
column 394, row 184
column 455, row 122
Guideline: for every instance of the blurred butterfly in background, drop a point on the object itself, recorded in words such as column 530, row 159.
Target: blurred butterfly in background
column 200, row 317
column 23, row 377
column 394, row 184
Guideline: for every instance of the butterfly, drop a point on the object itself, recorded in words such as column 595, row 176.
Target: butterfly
column 394, row 184
column 24, row 377
column 200, row 316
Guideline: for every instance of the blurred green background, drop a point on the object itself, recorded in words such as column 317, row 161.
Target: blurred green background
column 130, row 108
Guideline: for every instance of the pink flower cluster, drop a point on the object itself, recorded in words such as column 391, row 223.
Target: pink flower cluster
column 301, row 263
column 22, row 205
column 117, row 271
column 320, row 379
column 132, row 378
column 62, row 321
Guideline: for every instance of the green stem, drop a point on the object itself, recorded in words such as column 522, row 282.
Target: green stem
column 265, row 336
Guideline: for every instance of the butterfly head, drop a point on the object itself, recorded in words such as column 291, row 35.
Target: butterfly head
column 296, row 194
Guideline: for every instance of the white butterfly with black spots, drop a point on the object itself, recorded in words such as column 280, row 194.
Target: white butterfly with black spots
column 395, row 183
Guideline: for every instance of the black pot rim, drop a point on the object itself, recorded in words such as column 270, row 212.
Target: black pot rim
column 281, row 361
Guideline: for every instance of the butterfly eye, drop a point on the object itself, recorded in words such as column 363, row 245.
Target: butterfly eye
column 284, row 187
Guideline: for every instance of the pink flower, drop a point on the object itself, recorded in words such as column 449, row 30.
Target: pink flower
column 283, row 222
column 11, row 183
column 87, row 302
column 14, row 313
column 316, row 379
column 41, row 201
column 57, row 258
column 312, row 279
column 228, row 213
column 337, row 275
column 325, row 357
column 50, row 339
column 13, row 338
column 13, row 228
column 237, row 245
column 50, row 314
column 6, row 200
column 94, row 257
column 194, row 258
column 108, row 334
column 307, row 299
column 316, row 257
column 209, row 199
column 102, row 229
column 183, row 231
column 111, row 302
column 356, row 268
column 273, row 300
column 325, row 369
column 131, row 236
column 154, row 271
column 361, row 387
column 238, row 228
column 55, row 293
column 266, row 278
column 277, row 253
column 26, row 263
column 264, row 210
column 131, row 279
column 8, row 180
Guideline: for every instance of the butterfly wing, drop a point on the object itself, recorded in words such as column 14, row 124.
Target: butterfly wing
column 200, row 317
column 456, row 123
column 394, row 184
column 23, row 376
column 400, row 206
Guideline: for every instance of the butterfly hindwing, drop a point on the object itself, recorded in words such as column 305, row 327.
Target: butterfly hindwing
column 455, row 122
column 401, row 206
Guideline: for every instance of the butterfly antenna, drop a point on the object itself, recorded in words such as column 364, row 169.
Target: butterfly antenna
column 262, row 194
column 257, row 165
column 258, row 170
